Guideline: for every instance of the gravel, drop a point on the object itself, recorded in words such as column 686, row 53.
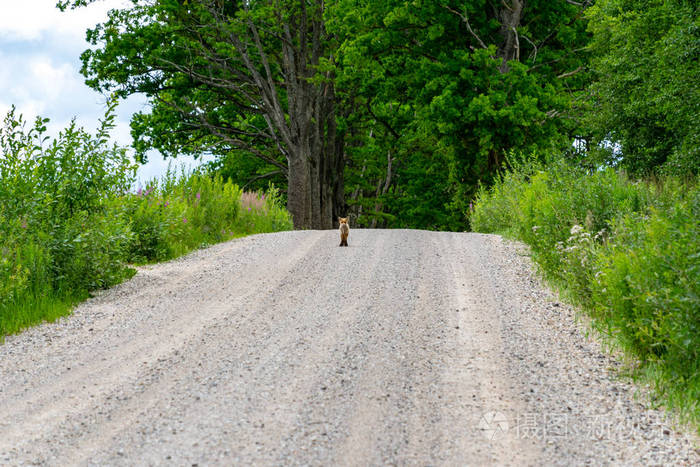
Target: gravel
column 408, row 347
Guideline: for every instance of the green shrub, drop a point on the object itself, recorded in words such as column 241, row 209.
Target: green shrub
column 59, row 236
column 263, row 212
column 70, row 224
column 89, row 251
column 15, row 277
column 177, row 214
column 627, row 251
column 157, row 224
column 647, row 292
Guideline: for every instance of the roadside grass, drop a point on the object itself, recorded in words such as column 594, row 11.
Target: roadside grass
column 70, row 222
column 179, row 213
column 627, row 252
column 33, row 309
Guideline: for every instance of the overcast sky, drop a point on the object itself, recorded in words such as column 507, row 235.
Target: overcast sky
column 40, row 51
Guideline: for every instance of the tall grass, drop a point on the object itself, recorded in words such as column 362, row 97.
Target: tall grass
column 626, row 251
column 181, row 212
column 70, row 224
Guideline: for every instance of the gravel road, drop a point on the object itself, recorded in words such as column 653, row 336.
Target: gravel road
column 407, row 348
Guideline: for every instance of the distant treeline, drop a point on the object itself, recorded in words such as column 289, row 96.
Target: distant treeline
column 395, row 111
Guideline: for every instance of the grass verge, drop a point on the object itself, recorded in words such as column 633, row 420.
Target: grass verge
column 627, row 252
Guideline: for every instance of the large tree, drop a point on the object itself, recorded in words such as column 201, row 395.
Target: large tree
column 226, row 76
column 443, row 90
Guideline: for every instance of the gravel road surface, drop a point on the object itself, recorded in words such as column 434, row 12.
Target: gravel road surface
column 407, row 348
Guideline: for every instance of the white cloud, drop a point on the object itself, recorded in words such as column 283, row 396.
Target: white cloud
column 39, row 52
column 30, row 19
column 38, row 85
column 50, row 81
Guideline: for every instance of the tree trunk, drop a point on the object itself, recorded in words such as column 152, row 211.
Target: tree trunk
column 315, row 180
column 315, row 195
column 339, row 208
column 333, row 163
column 299, row 192
column 510, row 16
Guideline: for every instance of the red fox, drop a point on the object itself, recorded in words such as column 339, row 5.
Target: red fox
column 344, row 231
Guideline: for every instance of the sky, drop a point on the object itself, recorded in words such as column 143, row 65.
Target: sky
column 40, row 49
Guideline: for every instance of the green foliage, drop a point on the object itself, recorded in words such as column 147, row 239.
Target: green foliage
column 58, row 237
column 150, row 48
column 69, row 223
column 157, row 224
column 627, row 252
column 247, row 171
column 263, row 212
column 180, row 213
column 436, row 87
column 89, row 251
column 646, row 55
column 430, row 96
column 183, row 213
column 239, row 80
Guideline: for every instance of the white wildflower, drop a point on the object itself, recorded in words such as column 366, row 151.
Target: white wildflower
column 576, row 229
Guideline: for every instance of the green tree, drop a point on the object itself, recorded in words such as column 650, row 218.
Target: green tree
column 449, row 88
column 646, row 95
column 226, row 76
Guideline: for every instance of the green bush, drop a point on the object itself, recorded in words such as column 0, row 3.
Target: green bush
column 180, row 213
column 263, row 212
column 90, row 251
column 70, row 224
column 157, row 224
column 646, row 291
column 59, row 237
column 627, row 251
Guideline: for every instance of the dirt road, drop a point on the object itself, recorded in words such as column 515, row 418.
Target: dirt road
column 408, row 347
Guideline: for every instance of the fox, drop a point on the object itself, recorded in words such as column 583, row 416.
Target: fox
column 344, row 231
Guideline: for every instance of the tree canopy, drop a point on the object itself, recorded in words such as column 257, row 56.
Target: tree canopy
column 446, row 89
column 395, row 112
